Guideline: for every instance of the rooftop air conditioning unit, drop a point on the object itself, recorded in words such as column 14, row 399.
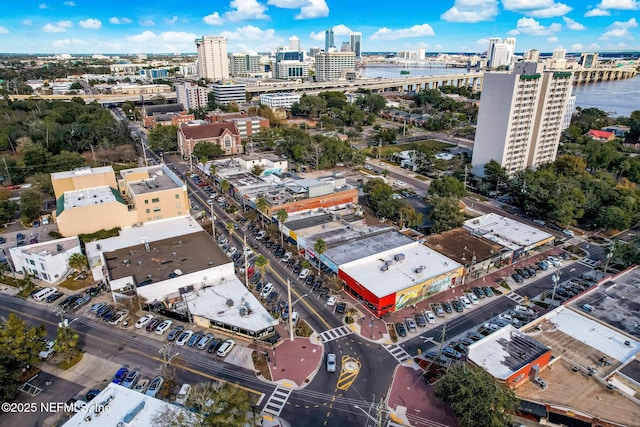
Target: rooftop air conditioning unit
column 399, row 257
column 384, row 268
column 419, row 270
column 388, row 262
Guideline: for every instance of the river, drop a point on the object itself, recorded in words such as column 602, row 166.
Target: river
column 617, row 97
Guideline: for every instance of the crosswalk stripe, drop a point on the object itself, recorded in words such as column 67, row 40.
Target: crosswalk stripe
column 397, row 352
column 277, row 400
column 335, row 333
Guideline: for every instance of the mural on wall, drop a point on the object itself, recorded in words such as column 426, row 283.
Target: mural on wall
column 417, row 293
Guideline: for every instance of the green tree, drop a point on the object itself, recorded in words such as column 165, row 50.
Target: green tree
column 78, row 262
column 320, row 247
column 613, row 218
column 261, row 206
column 206, row 150
column 476, row 398
column 224, row 186
column 30, row 205
column 9, row 379
column 19, row 344
column 445, row 215
column 66, row 342
column 447, row 186
column 164, row 138
column 257, row 170
column 281, row 216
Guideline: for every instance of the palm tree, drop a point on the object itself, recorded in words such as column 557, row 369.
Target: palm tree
column 77, row 261
column 66, row 343
column 261, row 205
column 282, row 216
column 320, row 247
column 230, row 228
column 224, row 186
column 261, row 264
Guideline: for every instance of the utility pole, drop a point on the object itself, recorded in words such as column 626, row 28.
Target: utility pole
column 246, row 265
column 6, row 169
column 290, row 310
column 609, row 256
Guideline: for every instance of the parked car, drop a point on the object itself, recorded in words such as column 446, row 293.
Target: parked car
column 297, row 268
column 518, row 278
column 331, row 362
column 163, row 327
column 457, row 306
column 151, row 325
column 184, row 337
column 120, row 375
column 287, row 256
column 451, row 353
column 400, row 329
column 447, row 307
column 488, row 291
column 303, row 274
column 225, row 348
column 214, row 345
column 472, row 297
column 266, row 290
column 421, row 321
column 466, row 302
column 175, row 332
column 341, row 307
column 54, row 296
column 143, row 321
column 332, row 300
column 474, row 336
column 195, row 338
column 437, row 308
column 479, row 292
column 204, row 341
column 142, row 385
column 429, row 315
column 48, row 350
column 411, row 324
column 131, row 379
column 119, row 316
column 154, row 386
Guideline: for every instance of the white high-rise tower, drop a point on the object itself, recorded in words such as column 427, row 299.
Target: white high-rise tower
column 213, row 63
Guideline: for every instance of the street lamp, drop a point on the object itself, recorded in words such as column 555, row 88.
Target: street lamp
column 609, row 256
column 555, row 278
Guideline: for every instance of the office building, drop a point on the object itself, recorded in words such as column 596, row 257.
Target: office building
column 521, row 117
column 532, row 55
column 244, row 63
column 279, row 100
column 355, row 41
column 164, row 114
column 191, row 95
column 313, row 51
column 47, row 261
column 500, row 52
column 588, row 60
column 213, row 63
column 328, row 40
column 559, row 53
column 346, row 47
column 294, row 43
column 421, row 54
column 227, row 92
column 332, row 65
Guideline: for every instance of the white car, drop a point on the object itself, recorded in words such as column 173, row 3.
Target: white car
column 400, row 183
column 473, row 298
column 303, row 274
column 143, row 321
column 465, row 302
column 48, row 350
column 331, row 362
column 248, row 251
column 555, row 261
column 430, row 316
column 332, row 300
column 266, row 290
column 286, row 257
column 163, row 327
column 225, row 348
column 261, row 235
column 369, row 168
column 184, row 337
column 119, row 317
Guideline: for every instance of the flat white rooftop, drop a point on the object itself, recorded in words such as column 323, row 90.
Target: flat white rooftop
column 51, row 247
column 231, row 303
column 593, row 333
column 418, row 264
column 505, row 231
column 88, row 196
column 505, row 352
column 366, row 246
column 122, row 405
column 82, row 172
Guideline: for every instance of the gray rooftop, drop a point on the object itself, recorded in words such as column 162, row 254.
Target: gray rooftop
column 368, row 245
column 299, row 224
column 160, row 178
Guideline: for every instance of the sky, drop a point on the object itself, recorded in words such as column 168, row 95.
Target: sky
column 170, row 26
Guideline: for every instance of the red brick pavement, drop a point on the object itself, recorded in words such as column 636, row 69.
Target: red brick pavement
column 293, row 363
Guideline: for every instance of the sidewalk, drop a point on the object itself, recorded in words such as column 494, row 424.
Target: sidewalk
column 295, row 363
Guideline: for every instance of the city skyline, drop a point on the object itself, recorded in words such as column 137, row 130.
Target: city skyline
column 465, row 26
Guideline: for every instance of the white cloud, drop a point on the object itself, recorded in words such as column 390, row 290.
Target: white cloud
column 69, row 3
column 631, row 23
column 170, row 21
column 253, row 38
column 531, row 27
column 558, row 9
column 4, row 30
column 619, row 4
column 42, row 6
column 617, row 32
column 147, row 22
column 246, row 10
column 117, row 21
column 169, row 41
column 213, row 19
column 90, row 24
column 573, row 25
column 68, row 42
column 58, row 27
column 537, row 8
column 482, row 42
column 577, row 47
column 470, row 11
column 309, row 9
column 596, row 12
column 421, row 30
column 27, row 22
column 338, row 30
column 552, row 39
column 143, row 37
column 287, row 4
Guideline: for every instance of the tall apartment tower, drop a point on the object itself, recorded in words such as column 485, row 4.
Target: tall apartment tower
column 559, row 53
column 500, row 52
column 328, row 40
column 330, row 65
column 294, row 43
column 191, row 95
column 521, row 116
column 355, row 42
column 532, row 55
column 244, row 63
column 213, row 63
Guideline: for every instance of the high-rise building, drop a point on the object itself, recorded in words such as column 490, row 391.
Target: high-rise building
column 532, row 55
column 294, row 43
column 559, row 53
column 355, row 41
column 213, row 63
column 290, row 64
column 244, row 63
column 521, row 116
column 228, row 92
column 422, row 52
column 346, row 47
column 191, row 95
column 500, row 52
column 328, row 40
column 331, row 65
column 313, row 51
column 588, row 60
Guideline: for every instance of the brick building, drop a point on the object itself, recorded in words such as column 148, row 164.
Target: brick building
column 223, row 134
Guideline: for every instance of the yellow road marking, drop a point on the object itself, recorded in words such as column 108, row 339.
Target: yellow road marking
column 350, row 369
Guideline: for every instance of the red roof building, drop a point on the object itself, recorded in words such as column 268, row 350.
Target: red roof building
column 601, row 135
column 224, row 134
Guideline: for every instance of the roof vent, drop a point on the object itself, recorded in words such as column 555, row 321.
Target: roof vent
column 229, row 302
column 388, row 262
column 420, row 269
column 59, row 247
column 399, row 257
column 384, row 268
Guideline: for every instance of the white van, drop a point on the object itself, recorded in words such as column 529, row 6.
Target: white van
column 183, row 394
column 44, row 293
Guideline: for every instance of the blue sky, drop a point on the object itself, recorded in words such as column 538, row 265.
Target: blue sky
column 170, row 26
